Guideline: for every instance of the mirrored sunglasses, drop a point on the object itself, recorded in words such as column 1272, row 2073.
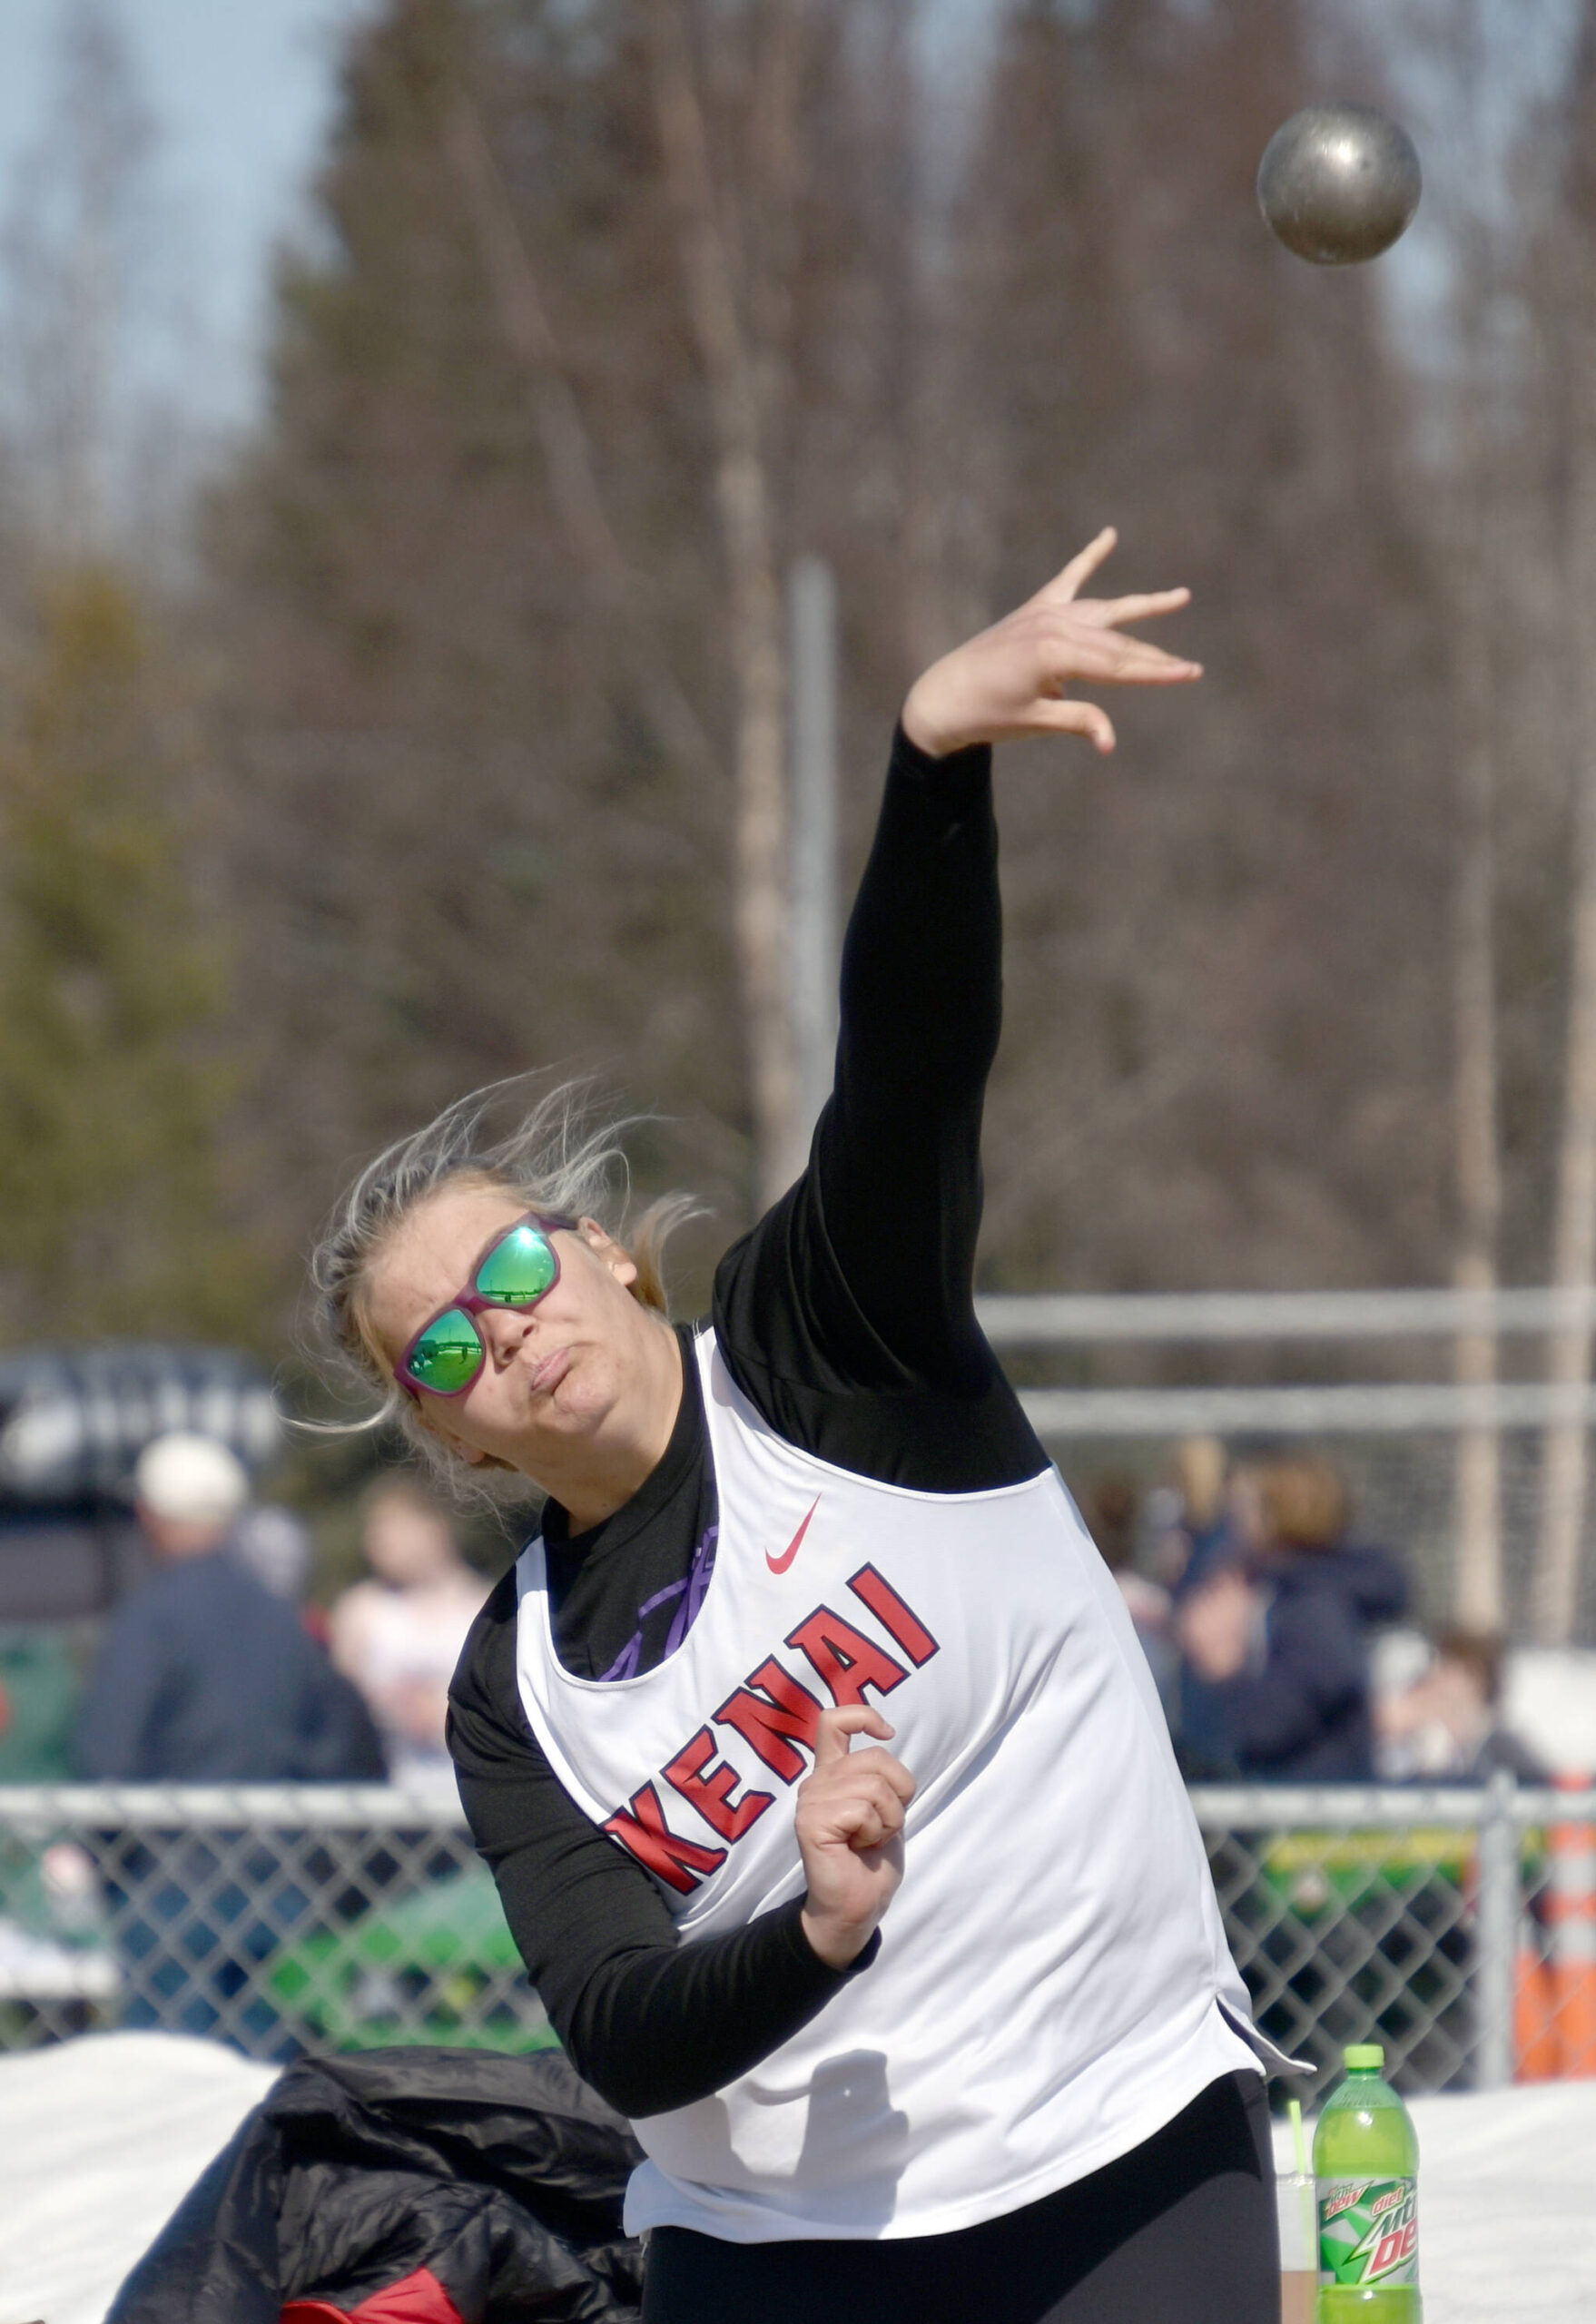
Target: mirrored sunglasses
column 516, row 1270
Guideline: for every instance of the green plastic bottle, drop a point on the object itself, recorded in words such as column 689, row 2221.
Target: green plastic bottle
column 1366, row 2179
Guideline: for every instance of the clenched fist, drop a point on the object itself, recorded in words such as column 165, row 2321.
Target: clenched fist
column 850, row 1826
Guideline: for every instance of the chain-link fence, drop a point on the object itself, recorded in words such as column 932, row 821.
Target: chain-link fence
column 279, row 1919
column 1457, row 1927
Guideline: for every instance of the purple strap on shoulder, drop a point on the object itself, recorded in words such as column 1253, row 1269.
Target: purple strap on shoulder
column 691, row 1593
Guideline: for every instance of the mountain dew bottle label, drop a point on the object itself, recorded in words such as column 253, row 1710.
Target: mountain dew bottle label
column 1369, row 2232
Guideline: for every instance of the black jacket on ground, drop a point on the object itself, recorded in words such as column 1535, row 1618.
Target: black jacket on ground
column 498, row 2179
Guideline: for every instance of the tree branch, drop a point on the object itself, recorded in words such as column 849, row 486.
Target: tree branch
column 562, row 433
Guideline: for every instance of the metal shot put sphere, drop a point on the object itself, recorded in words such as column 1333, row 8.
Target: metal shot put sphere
column 1338, row 183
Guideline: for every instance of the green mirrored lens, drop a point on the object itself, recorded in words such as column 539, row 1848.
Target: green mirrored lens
column 448, row 1354
column 520, row 1267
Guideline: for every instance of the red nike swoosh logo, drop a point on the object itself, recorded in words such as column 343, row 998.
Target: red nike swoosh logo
column 780, row 1565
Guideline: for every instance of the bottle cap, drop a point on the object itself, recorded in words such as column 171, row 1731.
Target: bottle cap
column 1364, row 2057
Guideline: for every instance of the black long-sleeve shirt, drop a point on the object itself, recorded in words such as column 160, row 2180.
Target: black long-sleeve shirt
column 847, row 1317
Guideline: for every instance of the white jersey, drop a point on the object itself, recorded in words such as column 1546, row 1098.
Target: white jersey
column 1053, row 1982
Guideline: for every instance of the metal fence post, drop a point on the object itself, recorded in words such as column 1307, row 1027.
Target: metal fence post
column 1497, row 1929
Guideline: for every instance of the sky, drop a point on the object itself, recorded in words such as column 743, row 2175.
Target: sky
column 241, row 92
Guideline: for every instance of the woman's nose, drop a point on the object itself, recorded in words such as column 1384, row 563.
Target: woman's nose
column 503, row 1330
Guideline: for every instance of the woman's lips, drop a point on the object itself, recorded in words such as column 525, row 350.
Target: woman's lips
column 549, row 1370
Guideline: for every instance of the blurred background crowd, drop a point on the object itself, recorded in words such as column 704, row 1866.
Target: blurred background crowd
column 1284, row 1646
column 213, row 1665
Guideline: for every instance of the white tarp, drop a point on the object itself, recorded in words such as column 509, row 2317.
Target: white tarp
column 1507, row 2190
column 101, row 2138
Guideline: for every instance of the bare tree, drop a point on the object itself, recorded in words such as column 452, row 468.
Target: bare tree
column 1477, row 1169
column 737, row 273
column 569, row 462
column 1470, row 573
column 1564, row 1454
column 1565, row 1444
column 71, row 248
column 1225, row 958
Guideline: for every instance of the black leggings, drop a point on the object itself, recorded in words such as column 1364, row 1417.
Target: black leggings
column 1180, row 2232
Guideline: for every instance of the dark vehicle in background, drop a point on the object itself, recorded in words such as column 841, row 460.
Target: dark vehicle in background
column 71, row 1426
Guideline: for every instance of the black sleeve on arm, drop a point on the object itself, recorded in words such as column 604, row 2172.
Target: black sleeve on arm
column 861, row 1277
column 848, row 1314
column 651, row 2024
column 896, row 1166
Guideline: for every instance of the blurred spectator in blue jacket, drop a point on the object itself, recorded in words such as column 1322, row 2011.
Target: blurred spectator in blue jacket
column 205, row 1676
column 1274, row 1634
column 274, row 1545
column 1188, row 1520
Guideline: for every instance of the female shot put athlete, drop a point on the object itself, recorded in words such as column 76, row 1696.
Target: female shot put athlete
column 826, row 1789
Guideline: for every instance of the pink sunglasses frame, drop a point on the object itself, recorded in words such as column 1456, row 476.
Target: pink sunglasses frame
column 472, row 1301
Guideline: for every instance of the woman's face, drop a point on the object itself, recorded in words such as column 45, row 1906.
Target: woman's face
column 558, row 1376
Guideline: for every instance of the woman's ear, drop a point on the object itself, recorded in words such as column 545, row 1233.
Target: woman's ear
column 614, row 1256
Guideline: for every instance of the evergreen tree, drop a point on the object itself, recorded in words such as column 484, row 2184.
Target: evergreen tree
column 112, row 1213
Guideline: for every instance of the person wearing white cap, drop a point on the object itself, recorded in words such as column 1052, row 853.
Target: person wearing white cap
column 188, row 1491
column 206, row 1676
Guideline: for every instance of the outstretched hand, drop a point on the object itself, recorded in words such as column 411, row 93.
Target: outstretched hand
column 1009, row 680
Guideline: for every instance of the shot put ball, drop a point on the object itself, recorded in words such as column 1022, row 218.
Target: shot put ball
column 1338, row 183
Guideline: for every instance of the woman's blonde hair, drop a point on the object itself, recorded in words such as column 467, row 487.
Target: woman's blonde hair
column 558, row 1151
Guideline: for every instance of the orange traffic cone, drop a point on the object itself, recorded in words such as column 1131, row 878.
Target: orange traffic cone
column 1537, row 2056
column 1571, row 1914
